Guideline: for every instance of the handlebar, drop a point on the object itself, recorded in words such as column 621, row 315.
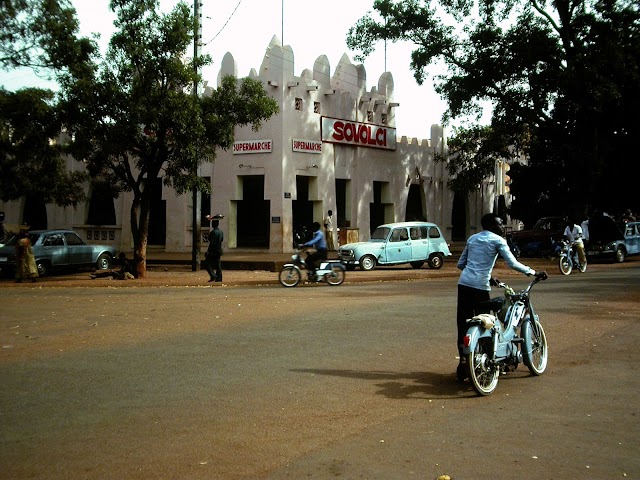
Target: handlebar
column 538, row 277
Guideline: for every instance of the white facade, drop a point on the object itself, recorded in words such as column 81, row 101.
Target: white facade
column 302, row 163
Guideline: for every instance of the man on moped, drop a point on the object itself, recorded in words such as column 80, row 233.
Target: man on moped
column 319, row 243
column 573, row 233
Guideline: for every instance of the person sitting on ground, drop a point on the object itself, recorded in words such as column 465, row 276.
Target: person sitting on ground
column 125, row 272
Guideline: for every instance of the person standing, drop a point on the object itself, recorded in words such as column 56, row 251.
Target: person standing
column 213, row 256
column 476, row 262
column 328, row 226
column 26, row 267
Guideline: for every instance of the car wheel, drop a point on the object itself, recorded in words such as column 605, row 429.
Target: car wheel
column 368, row 262
column 43, row 268
column 104, row 262
column 620, row 254
column 417, row 264
column 436, row 261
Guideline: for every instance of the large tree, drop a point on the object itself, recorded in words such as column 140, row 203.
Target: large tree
column 41, row 35
column 135, row 119
column 561, row 78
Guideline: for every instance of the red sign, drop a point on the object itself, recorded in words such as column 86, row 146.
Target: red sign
column 358, row 134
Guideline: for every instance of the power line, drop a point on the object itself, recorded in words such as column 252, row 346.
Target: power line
column 226, row 23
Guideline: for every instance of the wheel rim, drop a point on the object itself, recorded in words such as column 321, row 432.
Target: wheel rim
column 336, row 277
column 565, row 265
column 484, row 376
column 42, row 269
column 103, row 262
column 367, row 262
column 436, row 262
column 619, row 255
column 539, row 349
column 289, row 277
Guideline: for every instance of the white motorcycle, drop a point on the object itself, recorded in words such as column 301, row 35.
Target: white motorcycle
column 330, row 271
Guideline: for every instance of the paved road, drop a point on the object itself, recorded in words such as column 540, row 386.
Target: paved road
column 313, row 382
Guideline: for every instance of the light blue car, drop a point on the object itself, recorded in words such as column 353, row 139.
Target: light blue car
column 396, row 243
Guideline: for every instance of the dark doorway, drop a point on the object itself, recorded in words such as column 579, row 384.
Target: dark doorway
column 302, row 207
column 341, row 202
column 376, row 209
column 35, row 212
column 414, row 204
column 158, row 216
column 459, row 218
column 253, row 214
column 205, row 205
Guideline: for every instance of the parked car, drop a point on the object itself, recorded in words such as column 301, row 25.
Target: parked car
column 397, row 243
column 608, row 239
column 538, row 241
column 56, row 249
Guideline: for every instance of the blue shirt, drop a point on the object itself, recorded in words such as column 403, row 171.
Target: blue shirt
column 479, row 257
column 318, row 241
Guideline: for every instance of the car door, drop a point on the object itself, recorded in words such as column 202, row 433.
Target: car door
column 54, row 250
column 632, row 239
column 437, row 242
column 79, row 252
column 399, row 246
column 419, row 243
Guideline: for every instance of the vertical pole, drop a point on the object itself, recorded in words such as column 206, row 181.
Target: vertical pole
column 195, row 201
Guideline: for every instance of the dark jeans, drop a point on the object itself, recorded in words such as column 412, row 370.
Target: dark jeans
column 214, row 266
column 314, row 259
column 468, row 298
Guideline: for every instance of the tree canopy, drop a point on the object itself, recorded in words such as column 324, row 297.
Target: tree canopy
column 561, row 79
column 134, row 117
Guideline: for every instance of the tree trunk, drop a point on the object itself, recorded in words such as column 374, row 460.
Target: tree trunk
column 140, row 210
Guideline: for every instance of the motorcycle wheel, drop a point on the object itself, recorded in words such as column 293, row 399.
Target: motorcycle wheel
column 565, row 265
column 534, row 336
column 336, row 277
column 483, row 375
column 289, row 277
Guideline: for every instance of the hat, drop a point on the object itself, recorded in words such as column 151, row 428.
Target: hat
column 214, row 217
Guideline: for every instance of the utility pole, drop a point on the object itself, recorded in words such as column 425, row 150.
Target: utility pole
column 195, row 224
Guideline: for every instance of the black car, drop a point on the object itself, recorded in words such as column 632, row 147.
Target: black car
column 538, row 241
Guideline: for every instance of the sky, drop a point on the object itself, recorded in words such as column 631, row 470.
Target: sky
column 245, row 28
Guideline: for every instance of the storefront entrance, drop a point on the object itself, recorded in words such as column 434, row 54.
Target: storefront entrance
column 253, row 214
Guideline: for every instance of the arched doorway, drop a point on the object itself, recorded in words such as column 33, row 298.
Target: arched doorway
column 415, row 204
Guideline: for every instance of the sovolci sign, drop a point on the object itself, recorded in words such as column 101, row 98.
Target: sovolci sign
column 347, row 132
column 252, row 146
column 306, row 146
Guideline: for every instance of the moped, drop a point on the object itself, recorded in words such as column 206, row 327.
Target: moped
column 330, row 271
column 568, row 258
column 507, row 332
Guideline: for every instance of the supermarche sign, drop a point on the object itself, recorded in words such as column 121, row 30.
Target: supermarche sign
column 252, row 146
column 347, row 132
column 306, row 146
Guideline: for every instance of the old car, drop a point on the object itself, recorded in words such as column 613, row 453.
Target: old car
column 58, row 249
column 397, row 243
column 613, row 240
column 538, row 241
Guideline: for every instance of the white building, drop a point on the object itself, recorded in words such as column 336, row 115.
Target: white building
column 333, row 146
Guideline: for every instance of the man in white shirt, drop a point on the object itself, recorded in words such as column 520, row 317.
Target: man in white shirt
column 328, row 227
column 573, row 233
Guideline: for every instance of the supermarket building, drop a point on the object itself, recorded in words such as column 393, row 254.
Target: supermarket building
column 332, row 146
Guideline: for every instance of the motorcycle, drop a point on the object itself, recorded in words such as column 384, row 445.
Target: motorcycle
column 331, row 271
column 568, row 258
column 510, row 334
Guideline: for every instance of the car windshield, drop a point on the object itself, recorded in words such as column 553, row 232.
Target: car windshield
column 380, row 233
column 32, row 236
